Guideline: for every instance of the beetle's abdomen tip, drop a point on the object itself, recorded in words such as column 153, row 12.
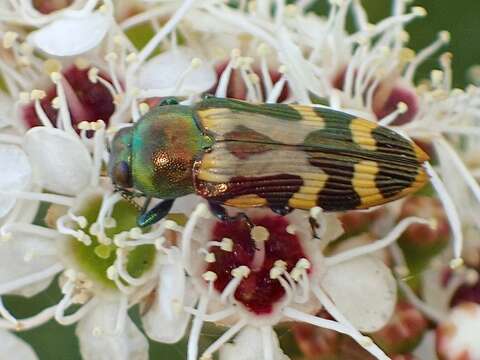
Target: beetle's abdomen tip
column 421, row 155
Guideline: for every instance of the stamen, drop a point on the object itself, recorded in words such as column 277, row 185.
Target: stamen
column 31, row 322
column 363, row 341
column 443, row 38
column 267, row 341
column 238, row 274
column 196, row 328
column 392, row 236
column 120, row 265
column 223, row 339
column 402, row 108
column 21, row 282
column 214, row 317
column 450, row 210
column 121, row 315
column 51, row 198
column 6, row 314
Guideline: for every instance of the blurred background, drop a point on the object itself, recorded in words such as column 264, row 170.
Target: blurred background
column 460, row 17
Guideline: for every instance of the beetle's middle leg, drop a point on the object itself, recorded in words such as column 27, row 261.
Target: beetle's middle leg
column 281, row 210
column 221, row 214
column 155, row 214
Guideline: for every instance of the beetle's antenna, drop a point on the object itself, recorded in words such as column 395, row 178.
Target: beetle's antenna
column 128, row 196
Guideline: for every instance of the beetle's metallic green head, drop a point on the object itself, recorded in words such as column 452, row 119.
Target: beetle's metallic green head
column 120, row 163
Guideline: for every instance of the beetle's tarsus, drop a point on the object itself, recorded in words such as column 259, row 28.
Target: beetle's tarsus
column 281, row 210
column 221, row 214
column 155, row 214
column 169, row 101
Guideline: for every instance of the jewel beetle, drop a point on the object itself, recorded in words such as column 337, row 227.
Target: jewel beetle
column 280, row 156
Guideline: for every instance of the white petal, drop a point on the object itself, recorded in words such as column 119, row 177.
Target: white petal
column 165, row 70
column 71, row 35
column 16, row 174
column 426, row 348
column 61, row 161
column 25, row 255
column 98, row 340
column 5, row 109
column 13, row 347
column 185, row 204
column 364, row 291
column 166, row 321
column 248, row 345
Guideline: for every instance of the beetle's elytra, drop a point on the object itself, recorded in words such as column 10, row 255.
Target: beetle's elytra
column 275, row 155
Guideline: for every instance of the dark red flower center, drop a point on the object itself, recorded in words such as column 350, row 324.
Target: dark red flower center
column 49, row 6
column 257, row 292
column 386, row 99
column 87, row 101
column 238, row 90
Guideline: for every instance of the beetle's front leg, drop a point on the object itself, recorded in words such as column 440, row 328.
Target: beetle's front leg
column 281, row 210
column 155, row 214
column 221, row 214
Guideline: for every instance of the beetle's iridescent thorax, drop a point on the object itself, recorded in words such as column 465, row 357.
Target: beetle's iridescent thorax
column 165, row 143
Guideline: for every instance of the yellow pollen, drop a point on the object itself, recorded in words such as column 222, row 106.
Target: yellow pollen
column 82, row 63
column 37, row 94
column 209, row 276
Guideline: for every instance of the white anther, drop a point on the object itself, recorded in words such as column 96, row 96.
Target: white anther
column 143, row 107
column 132, row 57
column 365, row 341
column 402, row 107
column 135, row 233
column 28, row 256
column 303, row 264
column 209, row 276
column 235, row 53
column 98, row 125
column 56, row 102
column 159, row 243
column 112, row 273
column 282, row 69
column 82, row 63
column 97, row 331
column 402, row 271
column 55, row 77
column 94, row 229
column 315, row 212
column 84, row 125
column 263, row 49
column 111, row 56
column 24, row 97
column 9, row 39
column 419, row 11
column 227, row 244
column 291, row 229
column 196, row 63
column 70, row 274
column 6, row 236
column 280, row 263
column 276, row 272
column 210, row 257
column 93, row 75
column 241, row 271
column 37, row 94
column 259, row 233
column 118, row 39
column 471, row 277
column 456, row 263
column 444, row 36
column 296, row 273
column 110, row 222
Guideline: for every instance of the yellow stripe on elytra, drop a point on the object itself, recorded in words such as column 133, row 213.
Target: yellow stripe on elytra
column 310, row 116
column 362, row 133
column 365, row 186
column 302, row 203
column 250, row 200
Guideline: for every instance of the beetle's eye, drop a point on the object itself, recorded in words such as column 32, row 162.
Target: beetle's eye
column 121, row 174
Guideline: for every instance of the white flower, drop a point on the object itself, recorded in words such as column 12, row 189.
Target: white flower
column 276, row 271
column 14, row 348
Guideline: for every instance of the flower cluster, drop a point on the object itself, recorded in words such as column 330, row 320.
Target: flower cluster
column 74, row 73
